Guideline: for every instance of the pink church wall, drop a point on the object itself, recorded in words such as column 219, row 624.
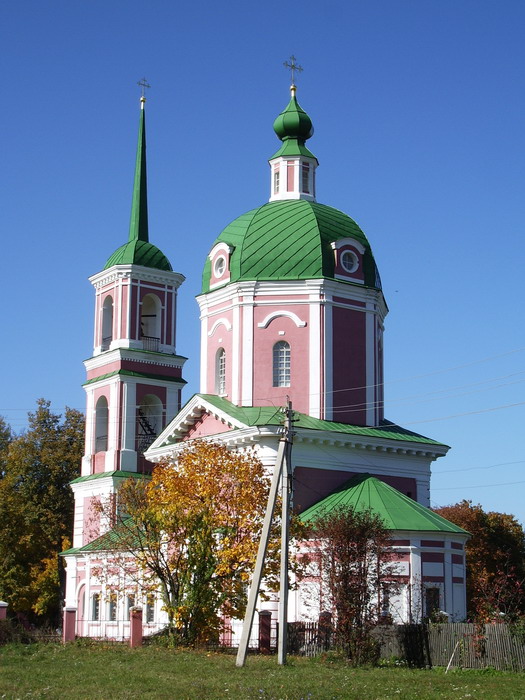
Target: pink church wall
column 207, row 425
column 91, row 521
column 312, row 484
column 349, row 366
column 264, row 393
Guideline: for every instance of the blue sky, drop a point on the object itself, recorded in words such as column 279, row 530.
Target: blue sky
column 419, row 114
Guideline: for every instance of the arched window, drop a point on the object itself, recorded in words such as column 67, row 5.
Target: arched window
column 107, row 323
column 281, row 364
column 149, row 421
column 220, row 372
column 150, row 322
column 101, row 425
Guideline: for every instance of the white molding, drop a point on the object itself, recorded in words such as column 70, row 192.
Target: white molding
column 129, row 355
column 341, row 242
column 315, row 369
column 288, row 314
column 328, row 360
column 247, row 351
column 220, row 247
column 370, row 360
column 224, row 321
column 235, row 355
column 145, row 274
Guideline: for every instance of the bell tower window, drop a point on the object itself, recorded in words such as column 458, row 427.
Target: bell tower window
column 220, row 372
column 107, row 323
column 276, row 177
column 149, row 421
column 281, row 364
column 101, row 425
column 150, row 322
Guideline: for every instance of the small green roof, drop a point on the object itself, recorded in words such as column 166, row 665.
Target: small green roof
column 138, row 250
column 117, row 474
column 269, row 415
column 289, row 240
column 398, row 512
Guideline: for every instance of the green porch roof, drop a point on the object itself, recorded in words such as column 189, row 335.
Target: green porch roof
column 269, row 415
column 117, row 474
column 289, row 240
column 398, row 512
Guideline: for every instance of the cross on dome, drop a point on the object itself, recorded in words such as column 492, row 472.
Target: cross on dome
column 143, row 83
column 292, row 66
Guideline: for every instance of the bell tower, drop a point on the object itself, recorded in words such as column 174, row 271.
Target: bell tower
column 134, row 377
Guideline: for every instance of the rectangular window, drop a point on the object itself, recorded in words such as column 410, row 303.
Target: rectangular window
column 276, row 181
column 305, row 178
column 281, row 364
column 95, row 606
column 150, row 607
column 130, row 602
column 290, row 166
column 431, row 601
column 112, row 608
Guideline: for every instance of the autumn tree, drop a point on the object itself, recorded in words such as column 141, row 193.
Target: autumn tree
column 36, row 510
column 358, row 574
column 192, row 531
column 495, row 561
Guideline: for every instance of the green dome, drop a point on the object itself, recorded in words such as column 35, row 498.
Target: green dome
column 293, row 123
column 139, row 252
column 289, row 240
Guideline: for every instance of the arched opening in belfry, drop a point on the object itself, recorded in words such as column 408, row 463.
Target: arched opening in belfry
column 150, row 322
column 107, row 323
column 150, row 421
column 101, row 424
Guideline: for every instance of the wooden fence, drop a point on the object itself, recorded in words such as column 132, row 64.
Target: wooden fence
column 462, row 645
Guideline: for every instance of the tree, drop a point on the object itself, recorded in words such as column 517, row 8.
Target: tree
column 355, row 557
column 495, row 561
column 36, row 511
column 6, row 436
column 192, row 531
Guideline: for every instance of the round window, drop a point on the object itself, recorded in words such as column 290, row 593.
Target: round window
column 349, row 261
column 220, row 266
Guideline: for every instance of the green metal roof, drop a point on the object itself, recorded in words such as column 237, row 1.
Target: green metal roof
column 269, row 415
column 131, row 373
column 289, row 240
column 138, row 250
column 117, row 474
column 398, row 512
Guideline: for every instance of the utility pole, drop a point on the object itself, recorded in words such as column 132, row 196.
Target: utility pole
column 286, row 484
column 283, row 457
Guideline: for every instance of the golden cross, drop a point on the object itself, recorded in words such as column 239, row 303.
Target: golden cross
column 292, row 67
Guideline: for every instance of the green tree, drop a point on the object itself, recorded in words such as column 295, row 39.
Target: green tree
column 36, row 511
column 354, row 552
column 495, row 561
column 6, row 436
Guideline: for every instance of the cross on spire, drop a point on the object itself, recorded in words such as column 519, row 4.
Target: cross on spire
column 292, row 66
column 143, row 85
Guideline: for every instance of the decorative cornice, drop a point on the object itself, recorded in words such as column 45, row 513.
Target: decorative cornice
column 146, row 274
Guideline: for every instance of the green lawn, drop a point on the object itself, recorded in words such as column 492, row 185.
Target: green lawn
column 114, row 672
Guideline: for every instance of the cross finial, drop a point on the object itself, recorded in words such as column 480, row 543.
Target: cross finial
column 293, row 67
column 143, row 85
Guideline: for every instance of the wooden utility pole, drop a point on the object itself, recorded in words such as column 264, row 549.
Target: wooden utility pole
column 286, row 487
column 283, row 458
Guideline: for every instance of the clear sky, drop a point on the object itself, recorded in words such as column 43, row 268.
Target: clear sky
column 419, row 112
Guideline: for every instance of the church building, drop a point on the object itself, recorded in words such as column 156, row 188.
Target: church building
column 291, row 306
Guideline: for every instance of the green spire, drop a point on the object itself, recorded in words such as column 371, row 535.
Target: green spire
column 293, row 126
column 138, row 227
column 138, row 250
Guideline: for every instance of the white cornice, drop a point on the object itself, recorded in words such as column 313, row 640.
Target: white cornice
column 146, row 274
column 120, row 354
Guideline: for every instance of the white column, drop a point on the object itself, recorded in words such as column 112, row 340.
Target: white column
column 416, row 584
column 371, row 411
column 204, row 389
column 316, row 369
column 236, row 351
column 246, row 351
column 328, row 398
column 128, row 454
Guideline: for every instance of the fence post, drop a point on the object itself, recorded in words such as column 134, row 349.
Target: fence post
column 69, row 624
column 325, row 629
column 3, row 610
column 265, row 628
column 135, row 618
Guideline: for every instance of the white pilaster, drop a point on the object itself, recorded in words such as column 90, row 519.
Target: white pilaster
column 247, row 351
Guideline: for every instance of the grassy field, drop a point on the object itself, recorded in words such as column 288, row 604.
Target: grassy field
column 113, row 672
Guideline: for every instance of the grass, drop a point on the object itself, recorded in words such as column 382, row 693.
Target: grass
column 117, row 672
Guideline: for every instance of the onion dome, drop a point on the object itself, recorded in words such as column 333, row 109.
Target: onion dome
column 138, row 250
column 293, row 127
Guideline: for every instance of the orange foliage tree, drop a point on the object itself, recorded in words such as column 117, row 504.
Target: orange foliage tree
column 495, row 558
column 192, row 531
